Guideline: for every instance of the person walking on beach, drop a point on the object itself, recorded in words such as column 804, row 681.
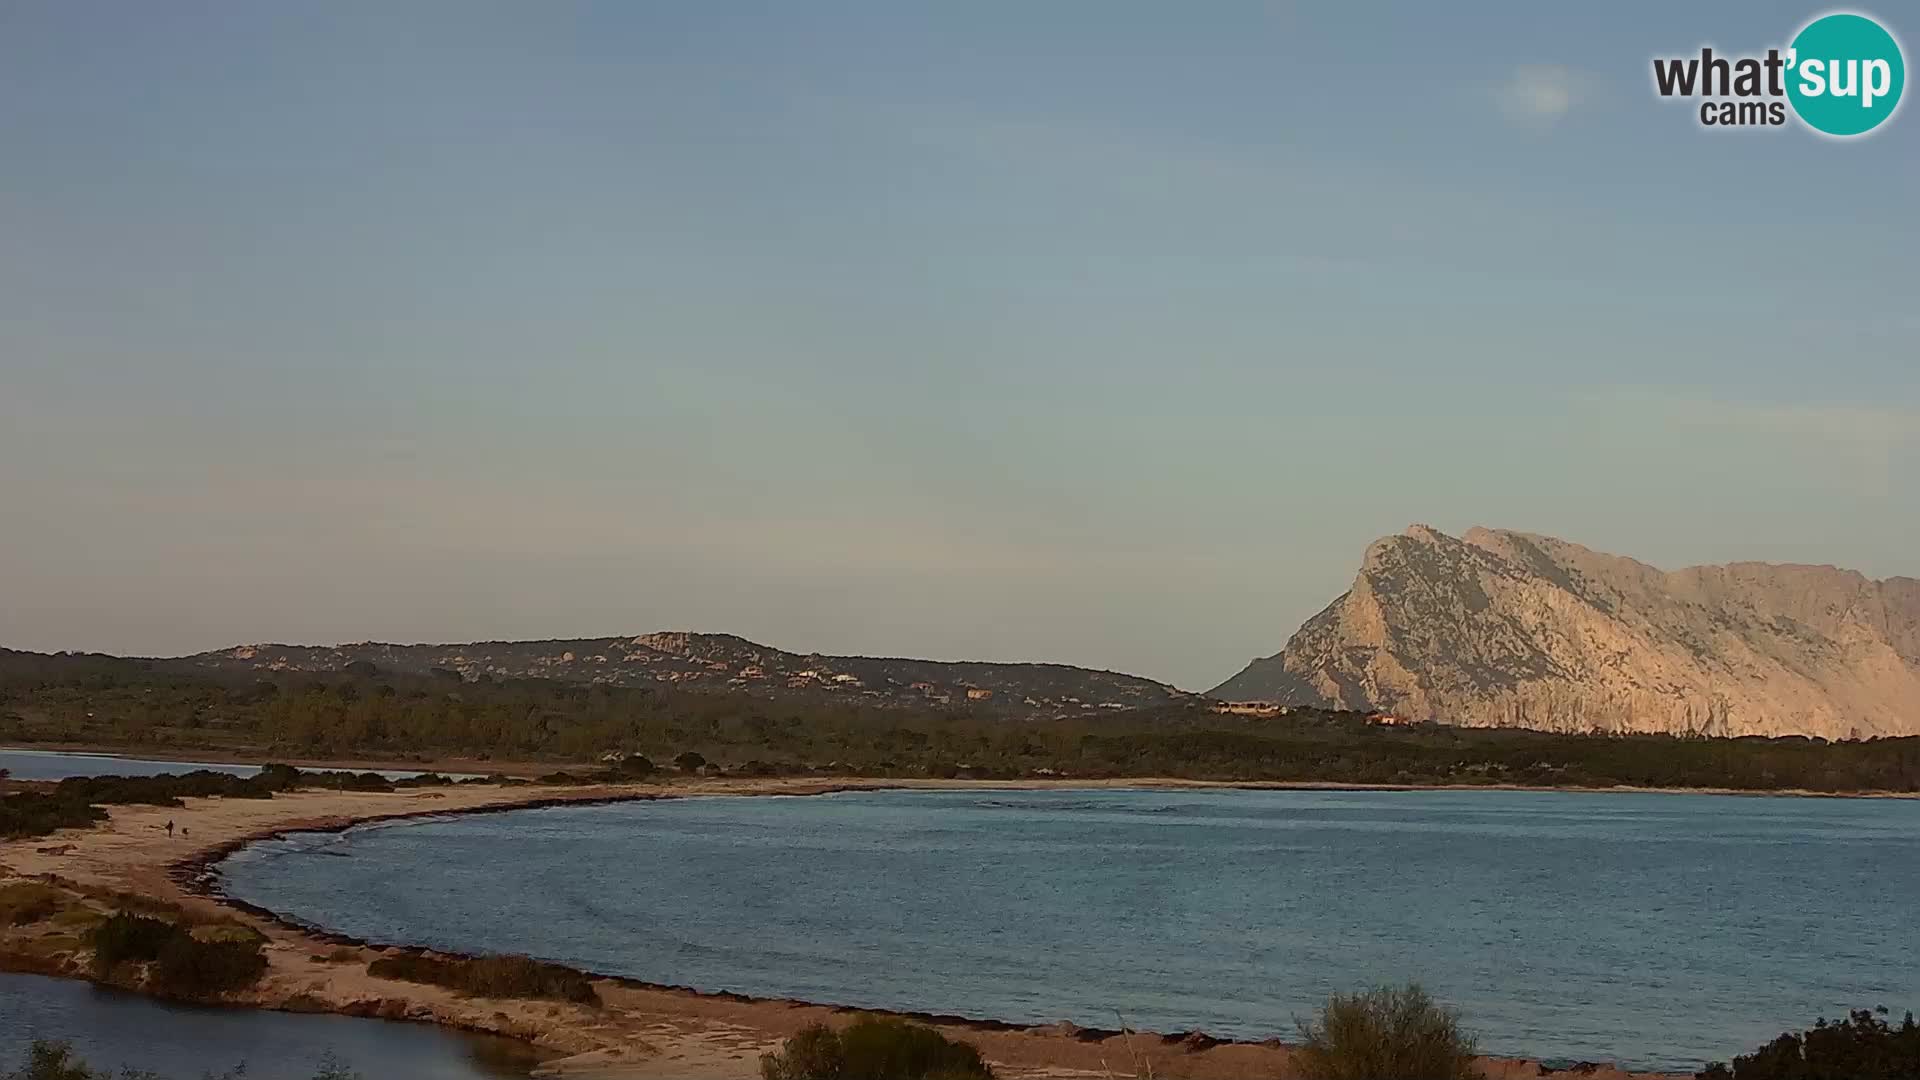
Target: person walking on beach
column 169, row 828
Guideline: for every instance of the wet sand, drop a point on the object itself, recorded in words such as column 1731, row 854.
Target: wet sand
column 639, row 1030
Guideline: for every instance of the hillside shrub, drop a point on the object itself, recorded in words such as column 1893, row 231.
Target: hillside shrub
column 1385, row 1034
column 1861, row 1047
column 874, row 1049
column 635, row 765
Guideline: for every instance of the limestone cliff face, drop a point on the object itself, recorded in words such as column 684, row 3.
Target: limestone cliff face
column 1509, row 629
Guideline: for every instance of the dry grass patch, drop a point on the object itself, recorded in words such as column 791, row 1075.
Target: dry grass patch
column 229, row 931
column 23, row 903
column 79, row 918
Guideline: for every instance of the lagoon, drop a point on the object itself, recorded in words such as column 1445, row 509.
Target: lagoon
column 1660, row 930
column 112, row 1029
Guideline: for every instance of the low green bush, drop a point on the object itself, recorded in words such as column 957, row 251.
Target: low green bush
column 1385, row 1034
column 490, row 976
column 180, row 965
column 874, row 1049
column 1861, row 1047
column 125, row 937
column 635, row 765
column 164, row 790
column 30, row 813
column 189, row 967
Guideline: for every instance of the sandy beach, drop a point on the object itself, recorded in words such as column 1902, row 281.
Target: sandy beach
column 638, row 1031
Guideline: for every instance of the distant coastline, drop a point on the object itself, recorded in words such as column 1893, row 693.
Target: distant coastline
column 523, row 770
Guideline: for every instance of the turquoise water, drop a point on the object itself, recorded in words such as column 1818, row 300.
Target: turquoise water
column 1658, row 930
column 111, row 1030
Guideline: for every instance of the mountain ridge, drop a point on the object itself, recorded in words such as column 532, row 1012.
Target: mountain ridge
column 1506, row 628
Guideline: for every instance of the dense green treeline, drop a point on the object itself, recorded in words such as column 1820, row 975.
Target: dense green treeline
column 369, row 713
column 1864, row 1046
column 76, row 801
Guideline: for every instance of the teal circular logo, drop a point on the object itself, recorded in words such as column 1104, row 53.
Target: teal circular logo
column 1845, row 74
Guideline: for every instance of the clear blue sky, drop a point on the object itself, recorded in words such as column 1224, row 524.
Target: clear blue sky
column 1106, row 333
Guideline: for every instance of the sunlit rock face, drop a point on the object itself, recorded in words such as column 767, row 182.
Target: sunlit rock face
column 1508, row 629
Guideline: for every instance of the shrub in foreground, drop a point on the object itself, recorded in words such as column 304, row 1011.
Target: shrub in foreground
column 54, row 1061
column 51, row 1060
column 874, row 1049
column 1385, row 1034
column 1861, row 1047
column 490, row 976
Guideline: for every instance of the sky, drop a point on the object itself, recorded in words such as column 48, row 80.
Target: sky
column 1105, row 333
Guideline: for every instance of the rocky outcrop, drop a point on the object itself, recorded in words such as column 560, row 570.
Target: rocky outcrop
column 1509, row 629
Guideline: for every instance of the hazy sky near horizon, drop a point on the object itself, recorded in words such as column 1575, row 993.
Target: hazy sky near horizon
column 1104, row 333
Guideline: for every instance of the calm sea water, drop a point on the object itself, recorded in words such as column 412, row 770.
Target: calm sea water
column 110, row 1030
column 1659, row 930
column 59, row 764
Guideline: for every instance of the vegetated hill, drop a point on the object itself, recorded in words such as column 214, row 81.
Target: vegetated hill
column 366, row 714
column 723, row 662
column 1509, row 629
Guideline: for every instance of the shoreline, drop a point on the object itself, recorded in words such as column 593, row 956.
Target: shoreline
column 642, row 1030
column 528, row 770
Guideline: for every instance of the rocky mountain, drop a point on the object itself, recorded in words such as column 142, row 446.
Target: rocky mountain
column 723, row 662
column 1498, row 628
